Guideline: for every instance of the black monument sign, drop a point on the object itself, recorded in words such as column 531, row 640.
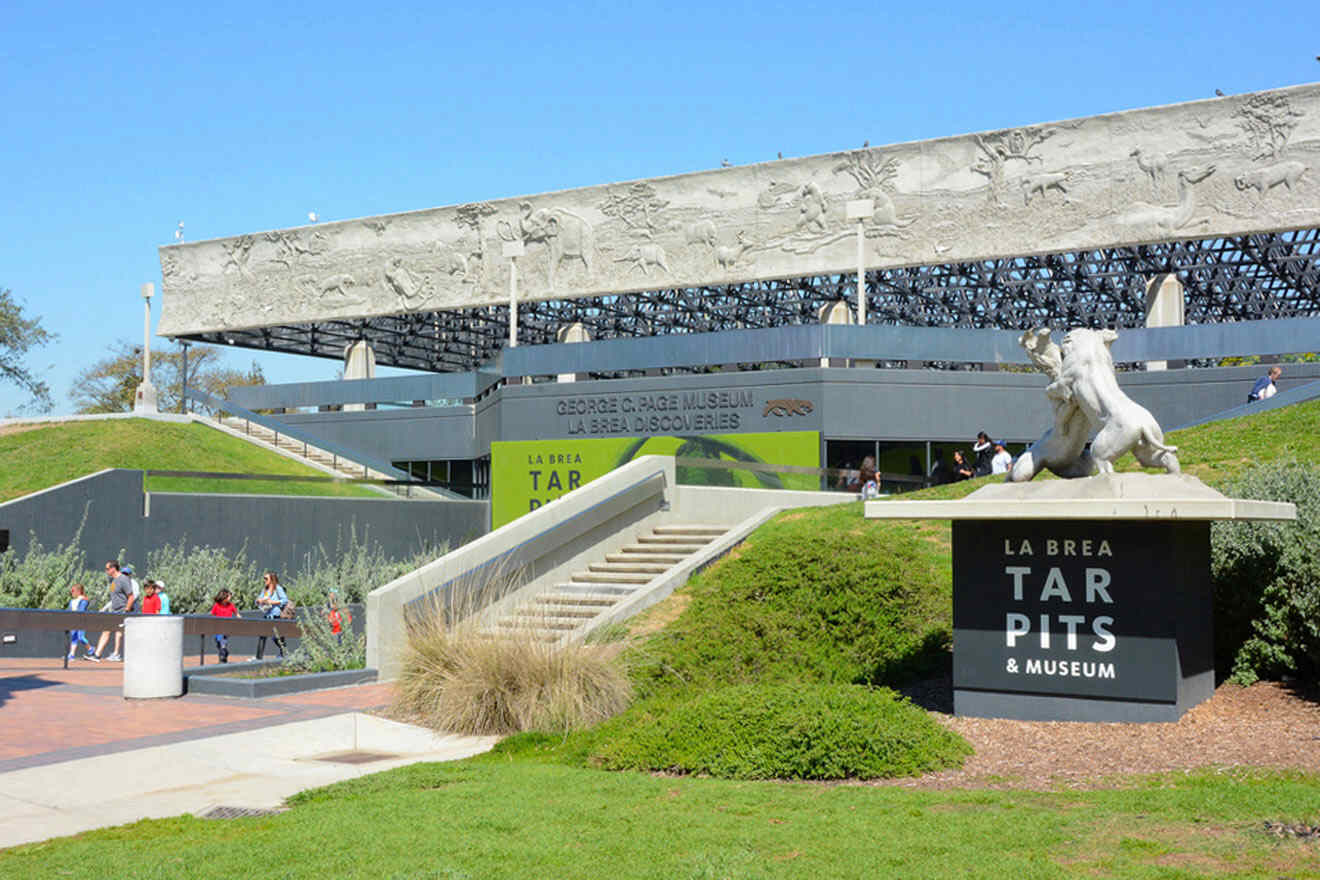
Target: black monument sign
column 1081, row 619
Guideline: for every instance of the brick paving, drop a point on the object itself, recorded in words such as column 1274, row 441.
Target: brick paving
column 49, row 714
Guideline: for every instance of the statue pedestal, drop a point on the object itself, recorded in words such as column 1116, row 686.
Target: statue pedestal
column 1083, row 600
column 145, row 399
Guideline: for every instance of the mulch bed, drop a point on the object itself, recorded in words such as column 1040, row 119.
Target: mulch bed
column 1268, row 725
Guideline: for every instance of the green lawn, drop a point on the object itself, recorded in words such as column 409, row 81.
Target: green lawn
column 492, row 817
column 52, row 454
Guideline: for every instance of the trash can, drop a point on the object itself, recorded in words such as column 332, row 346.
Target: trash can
column 153, row 657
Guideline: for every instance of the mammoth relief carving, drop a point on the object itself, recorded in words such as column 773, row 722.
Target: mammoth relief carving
column 565, row 235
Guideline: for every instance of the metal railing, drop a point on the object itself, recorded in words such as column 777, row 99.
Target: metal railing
column 392, row 475
column 203, row 625
column 828, row 479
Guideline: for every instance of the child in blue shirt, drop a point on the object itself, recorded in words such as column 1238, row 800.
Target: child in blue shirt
column 78, row 602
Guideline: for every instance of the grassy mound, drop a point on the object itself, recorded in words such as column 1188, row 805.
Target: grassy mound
column 46, row 455
column 781, row 731
column 819, row 595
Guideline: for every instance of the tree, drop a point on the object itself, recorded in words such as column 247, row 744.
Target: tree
column 18, row 333
column 110, row 385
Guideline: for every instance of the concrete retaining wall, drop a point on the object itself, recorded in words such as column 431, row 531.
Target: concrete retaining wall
column 278, row 531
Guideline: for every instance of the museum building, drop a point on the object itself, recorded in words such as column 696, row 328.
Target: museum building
column 719, row 315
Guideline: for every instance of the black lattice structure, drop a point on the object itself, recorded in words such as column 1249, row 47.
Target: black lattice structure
column 1255, row 277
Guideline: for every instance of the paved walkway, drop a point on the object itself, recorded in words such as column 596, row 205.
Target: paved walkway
column 72, row 730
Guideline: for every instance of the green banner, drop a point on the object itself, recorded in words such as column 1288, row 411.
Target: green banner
column 528, row 473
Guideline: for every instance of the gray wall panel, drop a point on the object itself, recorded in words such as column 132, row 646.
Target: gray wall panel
column 277, row 530
column 113, row 503
column 281, row 530
column 397, row 434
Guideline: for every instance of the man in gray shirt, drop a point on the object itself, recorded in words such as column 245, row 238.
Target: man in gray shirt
column 122, row 598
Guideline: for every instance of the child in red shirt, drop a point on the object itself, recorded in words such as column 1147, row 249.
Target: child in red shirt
column 150, row 598
column 223, row 607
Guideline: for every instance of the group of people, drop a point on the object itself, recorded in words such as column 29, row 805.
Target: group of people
column 987, row 457
column 273, row 603
column 124, row 592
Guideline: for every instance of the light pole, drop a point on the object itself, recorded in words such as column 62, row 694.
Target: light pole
column 860, row 210
column 183, row 396
column 145, row 400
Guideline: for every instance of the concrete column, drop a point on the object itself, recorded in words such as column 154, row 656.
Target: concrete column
column 860, row 210
column 574, row 332
column 153, row 657
column 1164, row 308
column 835, row 313
column 145, row 399
column 359, row 363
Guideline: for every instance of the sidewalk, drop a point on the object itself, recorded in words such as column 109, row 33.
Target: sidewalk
column 70, row 739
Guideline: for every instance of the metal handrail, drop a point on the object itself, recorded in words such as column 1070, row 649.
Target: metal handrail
column 367, row 462
column 18, row 619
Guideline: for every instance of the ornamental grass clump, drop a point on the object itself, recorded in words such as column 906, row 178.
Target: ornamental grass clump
column 463, row 679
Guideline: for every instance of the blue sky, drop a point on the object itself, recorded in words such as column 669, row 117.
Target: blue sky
column 122, row 121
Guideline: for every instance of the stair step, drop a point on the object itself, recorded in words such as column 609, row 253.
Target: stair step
column 671, row 541
column 644, row 558
column 540, row 637
column 583, row 600
column 554, row 610
column 708, row 531
column 595, row 577
column 652, row 550
column 630, row 566
column 508, row 623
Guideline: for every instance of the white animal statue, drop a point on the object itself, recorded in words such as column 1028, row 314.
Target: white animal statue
column 1087, row 400
column 1062, row 448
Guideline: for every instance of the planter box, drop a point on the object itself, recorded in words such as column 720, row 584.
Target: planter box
column 213, row 680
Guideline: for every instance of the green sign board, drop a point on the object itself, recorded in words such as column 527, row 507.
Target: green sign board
column 528, row 473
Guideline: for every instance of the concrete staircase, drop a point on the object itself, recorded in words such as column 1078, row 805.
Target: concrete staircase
column 571, row 609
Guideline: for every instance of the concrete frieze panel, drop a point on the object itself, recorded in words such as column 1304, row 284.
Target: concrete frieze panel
column 1225, row 166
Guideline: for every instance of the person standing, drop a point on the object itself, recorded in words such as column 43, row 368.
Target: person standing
column 164, row 598
column 983, row 448
column 1002, row 462
column 335, row 616
column 271, row 602
column 1264, row 388
column 122, row 597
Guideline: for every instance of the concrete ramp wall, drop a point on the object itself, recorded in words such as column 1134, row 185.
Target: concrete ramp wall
column 546, row 540
column 503, row 568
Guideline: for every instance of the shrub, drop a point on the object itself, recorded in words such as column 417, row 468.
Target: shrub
column 41, row 578
column 1267, row 579
column 780, row 731
column 356, row 567
column 194, row 575
column 320, row 650
column 461, row 679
